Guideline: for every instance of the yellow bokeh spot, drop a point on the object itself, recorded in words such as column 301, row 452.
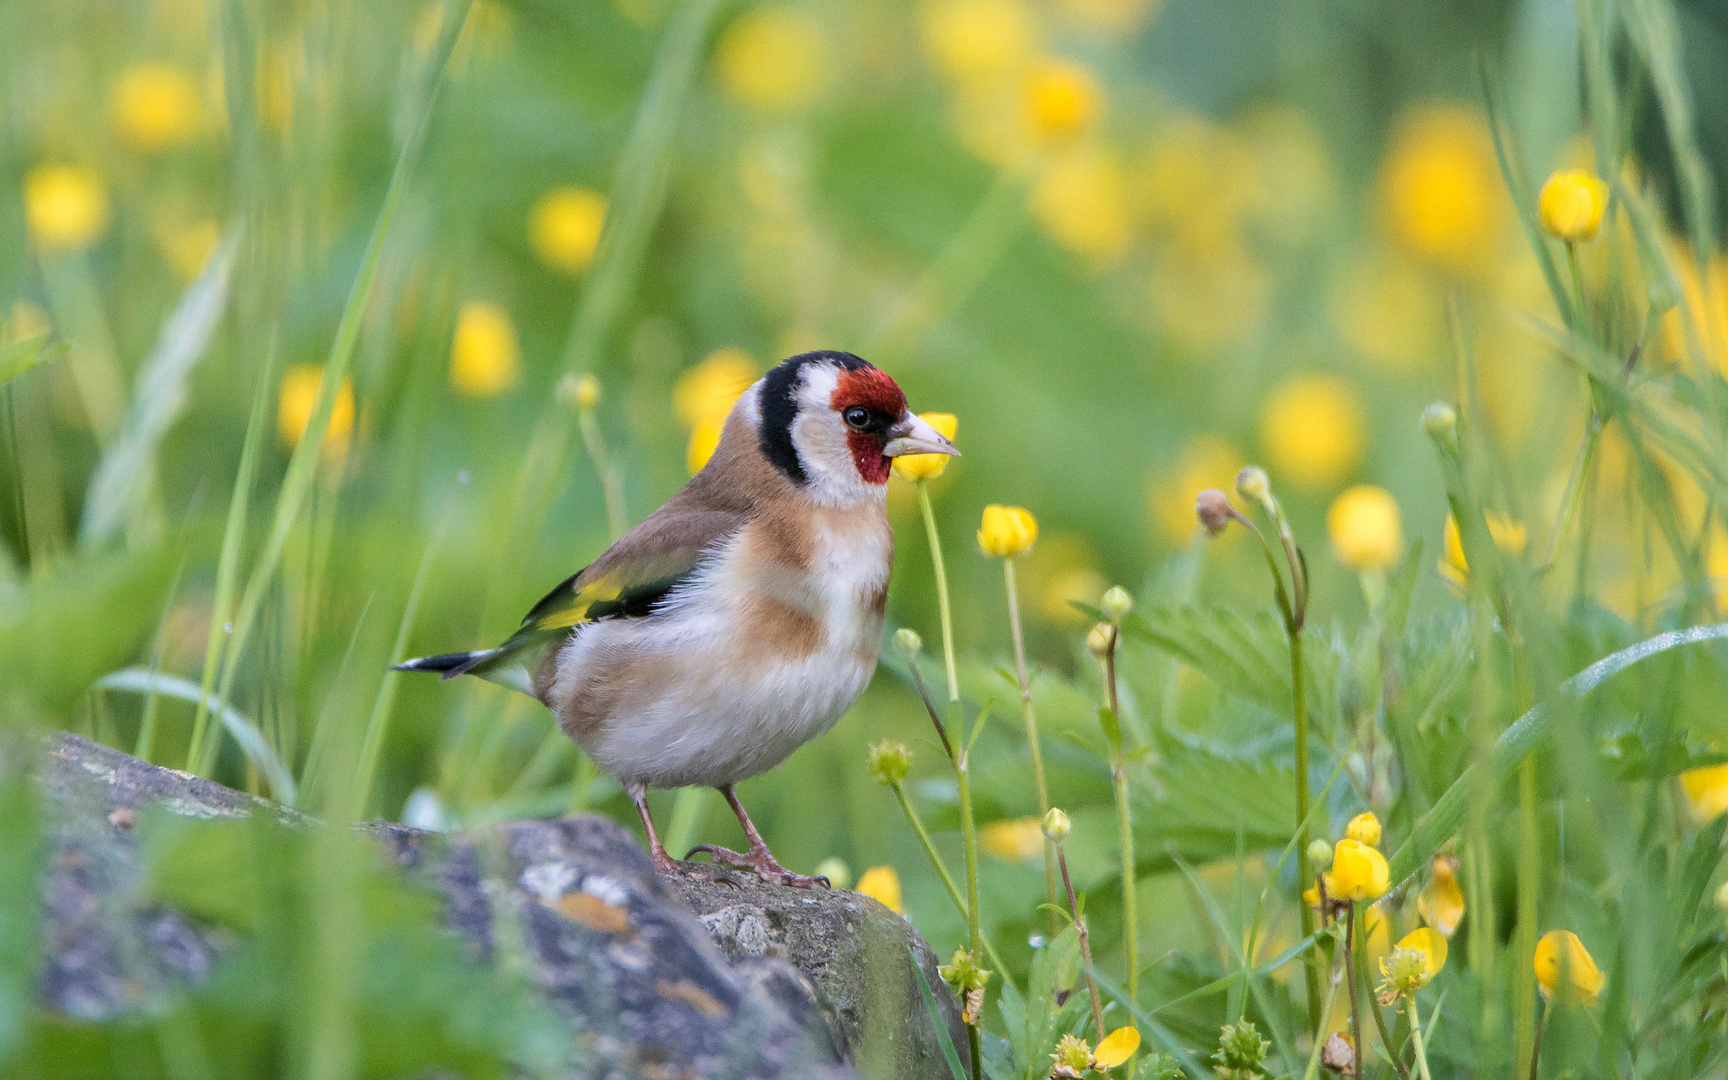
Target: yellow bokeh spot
column 565, row 227
column 1509, row 536
column 1206, row 462
column 1440, row 188
column 1388, row 310
column 928, row 466
column 772, row 59
column 1111, row 18
column 296, row 398
column 704, row 440
column 65, row 207
column 704, row 395
column 155, row 107
column 979, row 41
column 1061, row 99
column 1081, row 202
column 1364, row 527
column 187, row 248
column 485, row 360
column 882, row 884
column 1016, row 840
column 1313, row 429
column 1706, row 792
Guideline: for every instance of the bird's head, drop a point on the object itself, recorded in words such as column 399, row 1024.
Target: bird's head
column 832, row 423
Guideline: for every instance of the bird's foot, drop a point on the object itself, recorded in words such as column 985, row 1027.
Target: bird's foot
column 666, row 866
column 763, row 864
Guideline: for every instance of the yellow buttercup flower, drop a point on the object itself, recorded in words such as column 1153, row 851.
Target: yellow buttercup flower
column 1431, row 944
column 928, row 466
column 1411, row 964
column 155, row 107
column 1509, row 536
column 1313, row 430
column 1706, row 792
column 1015, row 840
column 704, row 395
column 1081, row 201
column 1364, row 528
column 484, row 358
column 976, row 41
column 65, row 207
column 1572, row 203
column 1115, row 1048
column 295, row 399
column 1358, row 872
column 882, row 884
column 1440, row 188
column 1364, row 828
column 1564, row 968
column 1061, row 99
column 772, row 59
column 1441, row 904
column 1006, row 531
column 565, row 227
column 704, row 440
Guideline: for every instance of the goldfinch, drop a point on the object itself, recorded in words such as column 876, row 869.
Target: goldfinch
column 742, row 618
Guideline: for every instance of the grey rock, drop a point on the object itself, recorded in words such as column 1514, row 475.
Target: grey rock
column 762, row 982
column 858, row 954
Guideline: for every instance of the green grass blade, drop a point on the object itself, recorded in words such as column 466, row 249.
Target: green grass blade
column 304, row 461
column 935, row 1013
column 1651, row 26
column 122, row 480
column 228, row 562
column 373, row 743
column 246, row 734
column 1516, row 741
column 639, row 191
column 1512, row 171
column 20, row 356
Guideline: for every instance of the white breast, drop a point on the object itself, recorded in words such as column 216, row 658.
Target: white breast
column 714, row 706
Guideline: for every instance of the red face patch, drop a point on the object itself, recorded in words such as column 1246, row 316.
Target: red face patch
column 872, row 389
column 869, row 387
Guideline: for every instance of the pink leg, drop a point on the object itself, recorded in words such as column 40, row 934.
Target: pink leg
column 663, row 863
column 759, row 859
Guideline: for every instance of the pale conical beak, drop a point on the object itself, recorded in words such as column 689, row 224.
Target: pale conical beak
column 911, row 435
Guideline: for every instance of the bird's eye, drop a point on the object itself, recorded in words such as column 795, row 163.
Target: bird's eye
column 857, row 417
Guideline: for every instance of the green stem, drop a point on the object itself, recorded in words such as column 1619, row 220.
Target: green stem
column 935, row 858
column 1031, row 717
column 1574, row 483
column 1350, row 939
column 1536, row 1047
column 1416, row 1039
column 1319, row 1033
column 1304, row 871
column 1529, row 873
column 611, row 483
column 1080, row 932
column 969, row 835
column 942, row 607
column 1131, row 926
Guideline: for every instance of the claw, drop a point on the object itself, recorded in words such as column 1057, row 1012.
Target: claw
column 762, row 864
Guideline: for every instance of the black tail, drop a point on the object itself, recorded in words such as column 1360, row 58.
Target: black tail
column 448, row 665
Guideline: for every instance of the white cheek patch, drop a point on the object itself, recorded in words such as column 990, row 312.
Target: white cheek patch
column 819, row 436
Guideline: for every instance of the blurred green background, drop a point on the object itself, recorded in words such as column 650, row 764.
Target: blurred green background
column 1132, row 245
